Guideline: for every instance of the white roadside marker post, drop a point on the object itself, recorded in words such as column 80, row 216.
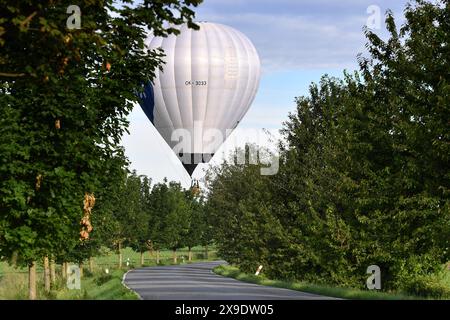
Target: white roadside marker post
column 258, row 270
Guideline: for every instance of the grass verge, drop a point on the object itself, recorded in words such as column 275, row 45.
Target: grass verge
column 99, row 286
column 337, row 292
column 94, row 286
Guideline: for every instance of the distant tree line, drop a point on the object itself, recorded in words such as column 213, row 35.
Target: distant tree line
column 148, row 218
column 364, row 172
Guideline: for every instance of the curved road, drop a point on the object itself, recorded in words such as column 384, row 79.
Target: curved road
column 197, row 282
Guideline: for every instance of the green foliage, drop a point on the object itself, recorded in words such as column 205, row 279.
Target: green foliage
column 426, row 286
column 129, row 214
column 171, row 211
column 241, row 216
column 65, row 96
column 133, row 213
column 364, row 173
column 197, row 220
column 103, row 278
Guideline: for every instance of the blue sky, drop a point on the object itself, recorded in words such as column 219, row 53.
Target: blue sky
column 298, row 41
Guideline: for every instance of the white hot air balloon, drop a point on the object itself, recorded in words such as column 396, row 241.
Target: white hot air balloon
column 208, row 82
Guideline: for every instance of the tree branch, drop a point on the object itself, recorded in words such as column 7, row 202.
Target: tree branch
column 28, row 19
column 5, row 74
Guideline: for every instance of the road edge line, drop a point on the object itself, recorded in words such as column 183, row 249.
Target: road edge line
column 123, row 283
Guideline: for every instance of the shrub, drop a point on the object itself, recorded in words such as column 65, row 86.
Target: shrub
column 427, row 286
column 103, row 278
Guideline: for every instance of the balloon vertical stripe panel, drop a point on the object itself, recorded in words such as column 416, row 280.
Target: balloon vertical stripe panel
column 168, row 82
column 160, row 113
column 231, row 74
column 200, row 72
column 252, row 76
column 216, row 78
column 242, row 80
column 182, row 70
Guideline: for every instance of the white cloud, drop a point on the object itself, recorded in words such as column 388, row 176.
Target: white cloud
column 292, row 34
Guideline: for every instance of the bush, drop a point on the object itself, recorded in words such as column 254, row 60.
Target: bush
column 427, row 287
column 103, row 278
column 52, row 295
column 86, row 295
column 87, row 273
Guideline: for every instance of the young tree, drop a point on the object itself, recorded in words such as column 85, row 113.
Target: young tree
column 175, row 223
column 137, row 219
column 158, row 211
column 196, row 222
column 240, row 215
column 169, row 218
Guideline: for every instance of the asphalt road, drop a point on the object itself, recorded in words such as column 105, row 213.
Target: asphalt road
column 197, row 282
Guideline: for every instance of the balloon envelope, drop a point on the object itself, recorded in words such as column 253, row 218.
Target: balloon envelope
column 208, row 82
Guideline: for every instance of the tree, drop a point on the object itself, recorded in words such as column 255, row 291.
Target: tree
column 170, row 211
column 175, row 223
column 137, row 219
column 107, row 227
column 196, row 222
column 239, row 209
column 408, row 74
column 158, row 210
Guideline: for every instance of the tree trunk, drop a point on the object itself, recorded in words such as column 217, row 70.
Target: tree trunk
column 91, row 264
column 32, row 281
column 52, row 272
column 81, row 269
column 190, row 254
column 46, row 275
column 174, row 256
column 206, row 252
column 142, row 259
column 64, row 270
column 14, row 257
column 120, row 255
column 157, row 256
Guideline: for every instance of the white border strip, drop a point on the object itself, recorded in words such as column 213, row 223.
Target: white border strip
column 123, row 283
